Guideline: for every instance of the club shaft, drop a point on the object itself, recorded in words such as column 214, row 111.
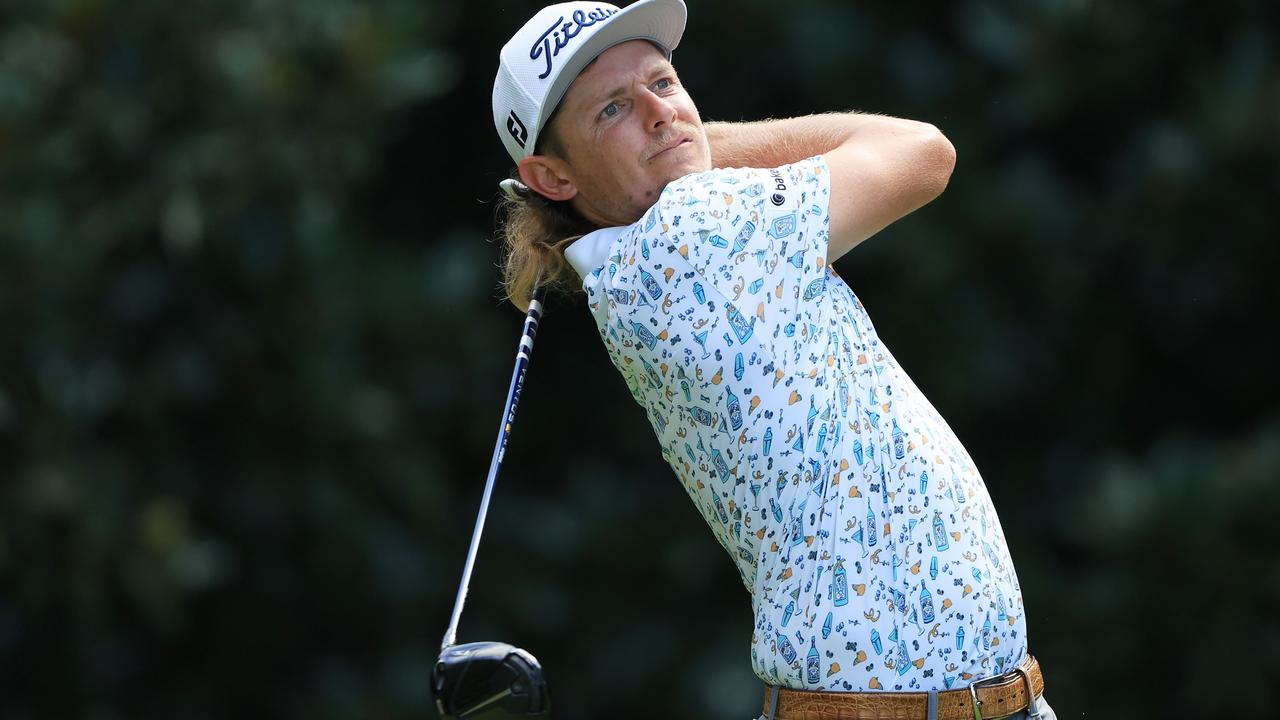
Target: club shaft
column 499, row 450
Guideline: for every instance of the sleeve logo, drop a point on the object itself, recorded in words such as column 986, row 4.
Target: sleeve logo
column 779, row 186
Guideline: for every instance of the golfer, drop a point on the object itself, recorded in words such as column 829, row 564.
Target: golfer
column 881, row 583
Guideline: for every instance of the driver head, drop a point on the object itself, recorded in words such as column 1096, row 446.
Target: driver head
column 488, row 681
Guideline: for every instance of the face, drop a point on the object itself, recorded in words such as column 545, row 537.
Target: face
column 627, row 127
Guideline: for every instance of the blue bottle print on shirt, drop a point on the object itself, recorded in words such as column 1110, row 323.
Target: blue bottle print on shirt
column 871, row 527
column 939, row 532
column 924, row 481
column 645, row 335
column 815, row 288
column 839, row 585
column 650, row 285
column 768, row 440
column 902, row 660
column 899, row 599
column 813, row 663
column 744, row 235
column 786, row 614
column 875, row 642
column 783, row 226
column 699, row 293
column 926, row 603
column 960, row 639
column 933, row 568
column 741, row 326
column 722, row 468
column 986, row 633
column 654, row 377
column 737, row 367
column 777, row 511
column 784, row 647
column 735, row 410
column 899, row 451
column 826, row 626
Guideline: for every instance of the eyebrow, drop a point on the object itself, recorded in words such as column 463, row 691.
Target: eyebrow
column 662, row 65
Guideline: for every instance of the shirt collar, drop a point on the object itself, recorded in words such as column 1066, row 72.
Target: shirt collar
column 591, row 250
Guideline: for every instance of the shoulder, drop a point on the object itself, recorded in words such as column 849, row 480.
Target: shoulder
column 704, row 187
column 744, row 187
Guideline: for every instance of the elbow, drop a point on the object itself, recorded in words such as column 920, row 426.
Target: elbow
column 938, row 160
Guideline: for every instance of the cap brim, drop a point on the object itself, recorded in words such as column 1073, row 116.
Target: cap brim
column 659, row 21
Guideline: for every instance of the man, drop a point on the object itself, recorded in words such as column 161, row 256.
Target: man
column 879, row 576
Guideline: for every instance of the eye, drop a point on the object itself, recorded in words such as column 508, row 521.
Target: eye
column 610, row 110
column 663, row 84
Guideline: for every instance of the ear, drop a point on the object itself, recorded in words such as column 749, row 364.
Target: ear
column 548, row 176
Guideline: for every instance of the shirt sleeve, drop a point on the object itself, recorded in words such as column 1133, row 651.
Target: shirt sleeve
column 758, row 239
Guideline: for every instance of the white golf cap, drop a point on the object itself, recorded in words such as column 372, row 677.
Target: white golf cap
column 543, row 58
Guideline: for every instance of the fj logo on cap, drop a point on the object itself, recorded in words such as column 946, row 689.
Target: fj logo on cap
column 517, row 129
column 562, row 32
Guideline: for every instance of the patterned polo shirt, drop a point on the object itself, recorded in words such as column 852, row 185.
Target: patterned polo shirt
column 859, row 524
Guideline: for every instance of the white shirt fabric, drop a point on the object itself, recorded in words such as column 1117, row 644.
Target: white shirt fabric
column 859, row 524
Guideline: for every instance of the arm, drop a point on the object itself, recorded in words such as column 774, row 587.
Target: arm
column 882, row 168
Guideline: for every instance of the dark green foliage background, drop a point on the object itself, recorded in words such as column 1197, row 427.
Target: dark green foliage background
column 253, row 356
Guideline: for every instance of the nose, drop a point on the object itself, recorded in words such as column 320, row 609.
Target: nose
column 658, row 112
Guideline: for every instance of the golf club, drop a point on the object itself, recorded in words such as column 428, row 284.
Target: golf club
column 492, row 680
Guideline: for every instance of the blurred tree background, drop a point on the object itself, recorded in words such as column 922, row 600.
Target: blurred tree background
column 253, row 353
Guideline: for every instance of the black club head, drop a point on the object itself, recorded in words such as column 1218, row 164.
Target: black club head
column 489, row 681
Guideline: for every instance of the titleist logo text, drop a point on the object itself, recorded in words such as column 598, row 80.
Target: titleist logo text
column 561, row 32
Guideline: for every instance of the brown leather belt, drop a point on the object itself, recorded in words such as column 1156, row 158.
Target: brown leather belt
column 989, row 698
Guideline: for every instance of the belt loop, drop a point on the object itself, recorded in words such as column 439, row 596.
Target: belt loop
column 773, row 703
column 933, row 705
column 1033, row 709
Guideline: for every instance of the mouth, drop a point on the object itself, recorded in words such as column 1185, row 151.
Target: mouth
column 673, row 145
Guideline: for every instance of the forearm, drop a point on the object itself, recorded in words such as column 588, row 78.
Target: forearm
column 770, row 143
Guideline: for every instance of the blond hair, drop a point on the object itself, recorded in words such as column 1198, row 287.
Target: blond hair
column 535, row 232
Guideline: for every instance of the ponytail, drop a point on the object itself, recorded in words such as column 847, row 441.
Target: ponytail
column 535, row 232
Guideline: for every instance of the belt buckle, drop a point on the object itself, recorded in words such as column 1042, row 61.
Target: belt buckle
column 973, row 691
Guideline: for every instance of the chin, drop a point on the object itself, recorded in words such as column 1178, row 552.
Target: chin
column 686, row 169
